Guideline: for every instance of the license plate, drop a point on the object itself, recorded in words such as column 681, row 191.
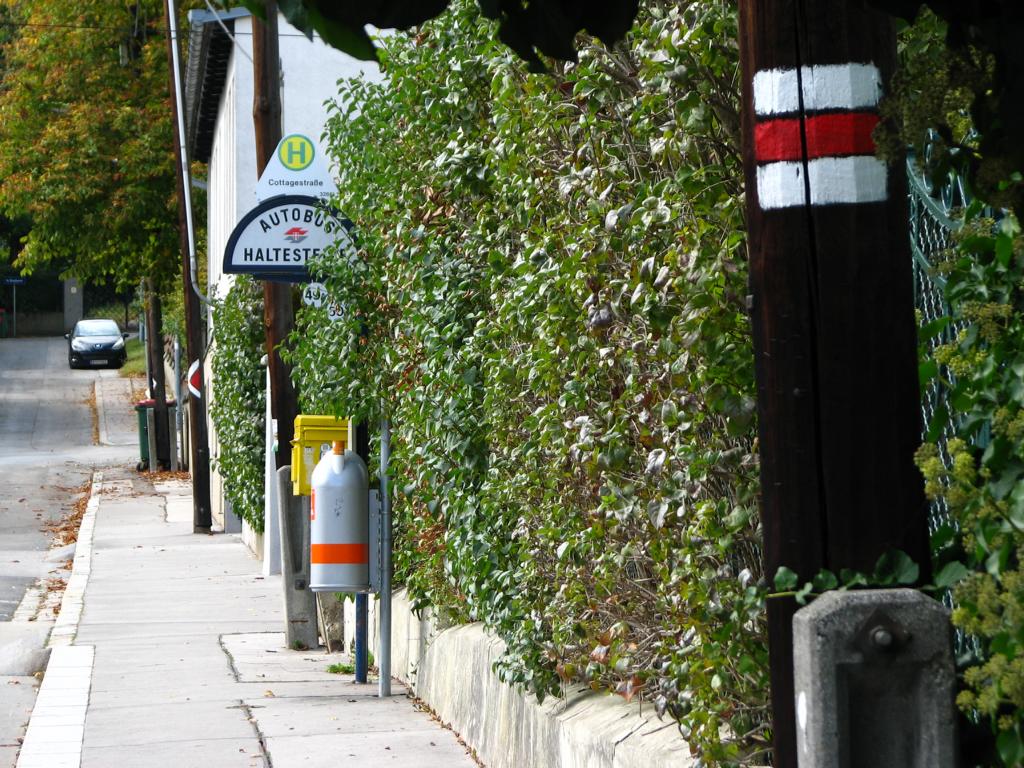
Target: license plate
column 97, row 362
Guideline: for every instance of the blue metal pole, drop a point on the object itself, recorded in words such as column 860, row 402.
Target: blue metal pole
column 361, row 635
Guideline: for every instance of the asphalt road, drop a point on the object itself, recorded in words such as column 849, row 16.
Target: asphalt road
column 46, row 453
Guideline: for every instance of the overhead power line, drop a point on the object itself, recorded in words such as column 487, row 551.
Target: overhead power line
column 61, row 26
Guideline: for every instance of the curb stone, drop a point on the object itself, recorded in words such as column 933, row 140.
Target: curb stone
column 56, row 727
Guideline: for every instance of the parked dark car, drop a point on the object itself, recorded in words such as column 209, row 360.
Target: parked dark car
column 93, row 343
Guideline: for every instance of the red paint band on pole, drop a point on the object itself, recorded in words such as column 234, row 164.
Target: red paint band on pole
column 832, row 135
column 339, row 554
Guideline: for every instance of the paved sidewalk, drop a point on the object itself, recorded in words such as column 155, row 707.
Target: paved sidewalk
column 169, row 652
column 115, row 409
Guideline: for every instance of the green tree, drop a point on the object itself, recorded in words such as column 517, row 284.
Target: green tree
column 86, row 145
column 86, row 150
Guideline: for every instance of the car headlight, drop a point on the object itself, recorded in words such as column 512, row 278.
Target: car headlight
column 119, row 344
column 80, row 345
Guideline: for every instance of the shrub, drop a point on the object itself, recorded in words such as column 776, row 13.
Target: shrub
column 548, row 304
column 239, row 401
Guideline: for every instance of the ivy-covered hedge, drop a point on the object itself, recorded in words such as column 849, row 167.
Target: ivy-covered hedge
column 239, row 401
column 979, row 473
column 548, row 305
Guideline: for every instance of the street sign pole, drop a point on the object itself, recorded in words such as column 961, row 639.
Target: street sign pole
column 278, row 313
column 199, row 442
column 831, row 307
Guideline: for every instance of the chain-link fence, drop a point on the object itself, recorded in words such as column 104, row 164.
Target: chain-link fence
column 933, row 225
column 932, row 228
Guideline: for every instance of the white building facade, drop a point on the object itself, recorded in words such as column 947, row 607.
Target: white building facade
column 219, row 123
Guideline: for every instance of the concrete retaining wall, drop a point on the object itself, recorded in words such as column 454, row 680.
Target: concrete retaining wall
column 40, row 324
column 450, row 668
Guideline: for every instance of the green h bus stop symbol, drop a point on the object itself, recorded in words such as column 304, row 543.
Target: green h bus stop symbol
column 296, row 152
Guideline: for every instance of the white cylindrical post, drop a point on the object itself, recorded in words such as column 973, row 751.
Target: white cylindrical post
column 339, row 524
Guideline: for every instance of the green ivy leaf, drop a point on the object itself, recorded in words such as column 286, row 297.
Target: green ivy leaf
column 1011, row 747
column 929, row 331
column 824, row 580
column 803, row 593
column 896, row 567
column 950, row 575
column 1007, row 479
column 851, row 578
column 785, row 579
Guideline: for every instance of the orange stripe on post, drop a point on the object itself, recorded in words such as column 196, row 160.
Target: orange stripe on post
column 339, row 554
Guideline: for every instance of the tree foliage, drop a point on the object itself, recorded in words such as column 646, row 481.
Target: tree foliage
column 528, row 28
column 86, row 146
column 982, row 53
column 969, row 70
column 548, row 303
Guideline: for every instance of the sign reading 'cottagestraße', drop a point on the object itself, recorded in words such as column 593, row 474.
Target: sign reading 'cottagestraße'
column 277, row 238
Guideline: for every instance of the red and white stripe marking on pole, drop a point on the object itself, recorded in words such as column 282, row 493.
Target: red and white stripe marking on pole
column 821, row 119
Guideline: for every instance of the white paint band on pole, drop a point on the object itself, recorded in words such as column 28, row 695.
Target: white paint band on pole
column 825, row 87
column 832, row 181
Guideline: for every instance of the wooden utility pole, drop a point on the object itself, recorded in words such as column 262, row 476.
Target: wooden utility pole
column 278, row 312
column 199, row 463
column 831, row 306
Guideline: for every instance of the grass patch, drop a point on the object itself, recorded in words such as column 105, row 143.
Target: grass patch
column 349, row 667
column 114, row 311
column 135, row 365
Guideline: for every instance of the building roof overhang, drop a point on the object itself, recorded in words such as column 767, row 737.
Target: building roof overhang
column 206, row 70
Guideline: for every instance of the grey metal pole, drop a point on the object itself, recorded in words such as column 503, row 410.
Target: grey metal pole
column 178, row 410
column 143, row 334
column 14, row 310
column 384, row 663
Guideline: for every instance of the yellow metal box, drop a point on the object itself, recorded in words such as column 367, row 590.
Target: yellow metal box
column 313, row 438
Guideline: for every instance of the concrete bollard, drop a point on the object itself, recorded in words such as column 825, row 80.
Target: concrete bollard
column 875, row 681
column 299, row 602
